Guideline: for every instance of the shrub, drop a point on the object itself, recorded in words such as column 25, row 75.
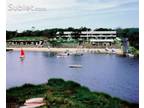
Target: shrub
column 55, row 82
column 28, row 85
column 72, row 84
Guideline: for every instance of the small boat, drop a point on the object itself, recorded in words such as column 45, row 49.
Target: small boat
column 106, row 49
column 113, row 51
column 130, row 55
column 78, row 54
column 63, row 55
column 9, row 49
column 59, row 56
column 22, row 54
column 75, row 66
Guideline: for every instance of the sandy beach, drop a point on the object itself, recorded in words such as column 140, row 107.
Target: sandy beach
column 72, row 50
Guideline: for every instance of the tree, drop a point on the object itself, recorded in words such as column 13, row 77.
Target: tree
column 11, row 34
column 103, row 29
column 132, row 34
column 84, row 29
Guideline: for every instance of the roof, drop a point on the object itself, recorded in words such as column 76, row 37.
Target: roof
column 91, row 32
column 98, row 32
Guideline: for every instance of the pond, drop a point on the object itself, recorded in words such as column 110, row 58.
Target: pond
column 111, row 74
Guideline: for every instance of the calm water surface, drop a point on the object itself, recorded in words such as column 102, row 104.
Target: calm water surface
column 117, row 76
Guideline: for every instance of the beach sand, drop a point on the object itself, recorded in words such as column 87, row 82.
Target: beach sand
column 72, row 50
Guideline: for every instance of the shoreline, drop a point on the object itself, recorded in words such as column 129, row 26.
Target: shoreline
column 84, row 50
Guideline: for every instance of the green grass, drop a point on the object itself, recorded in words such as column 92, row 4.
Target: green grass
column 32, row 38
column 68, row 94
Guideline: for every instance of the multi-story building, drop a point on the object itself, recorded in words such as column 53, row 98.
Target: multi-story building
column 97, row 38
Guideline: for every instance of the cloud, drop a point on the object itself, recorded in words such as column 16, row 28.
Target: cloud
column 68, row 5
column 63, row 9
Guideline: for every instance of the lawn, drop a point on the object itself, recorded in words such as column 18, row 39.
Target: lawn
column 28, row 38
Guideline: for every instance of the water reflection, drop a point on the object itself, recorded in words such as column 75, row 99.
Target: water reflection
column 22, row 60
column 49, row 54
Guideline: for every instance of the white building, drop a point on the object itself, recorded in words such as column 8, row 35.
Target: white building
column 98, row 38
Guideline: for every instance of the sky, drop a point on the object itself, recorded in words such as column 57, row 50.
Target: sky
column 45, row 14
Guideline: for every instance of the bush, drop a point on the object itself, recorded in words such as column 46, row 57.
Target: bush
column 28, row 85
column 72, row 85
column 57, row 83
column 67, row 94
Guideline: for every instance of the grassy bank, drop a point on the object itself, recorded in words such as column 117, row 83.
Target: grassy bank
column 67, row 94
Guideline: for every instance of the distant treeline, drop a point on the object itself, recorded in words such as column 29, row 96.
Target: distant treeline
column 49, row 32
column 131, row 33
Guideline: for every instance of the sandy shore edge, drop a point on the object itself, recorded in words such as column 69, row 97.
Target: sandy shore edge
column 117, row 51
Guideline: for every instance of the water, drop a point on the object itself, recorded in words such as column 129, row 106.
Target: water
column 115, row 75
